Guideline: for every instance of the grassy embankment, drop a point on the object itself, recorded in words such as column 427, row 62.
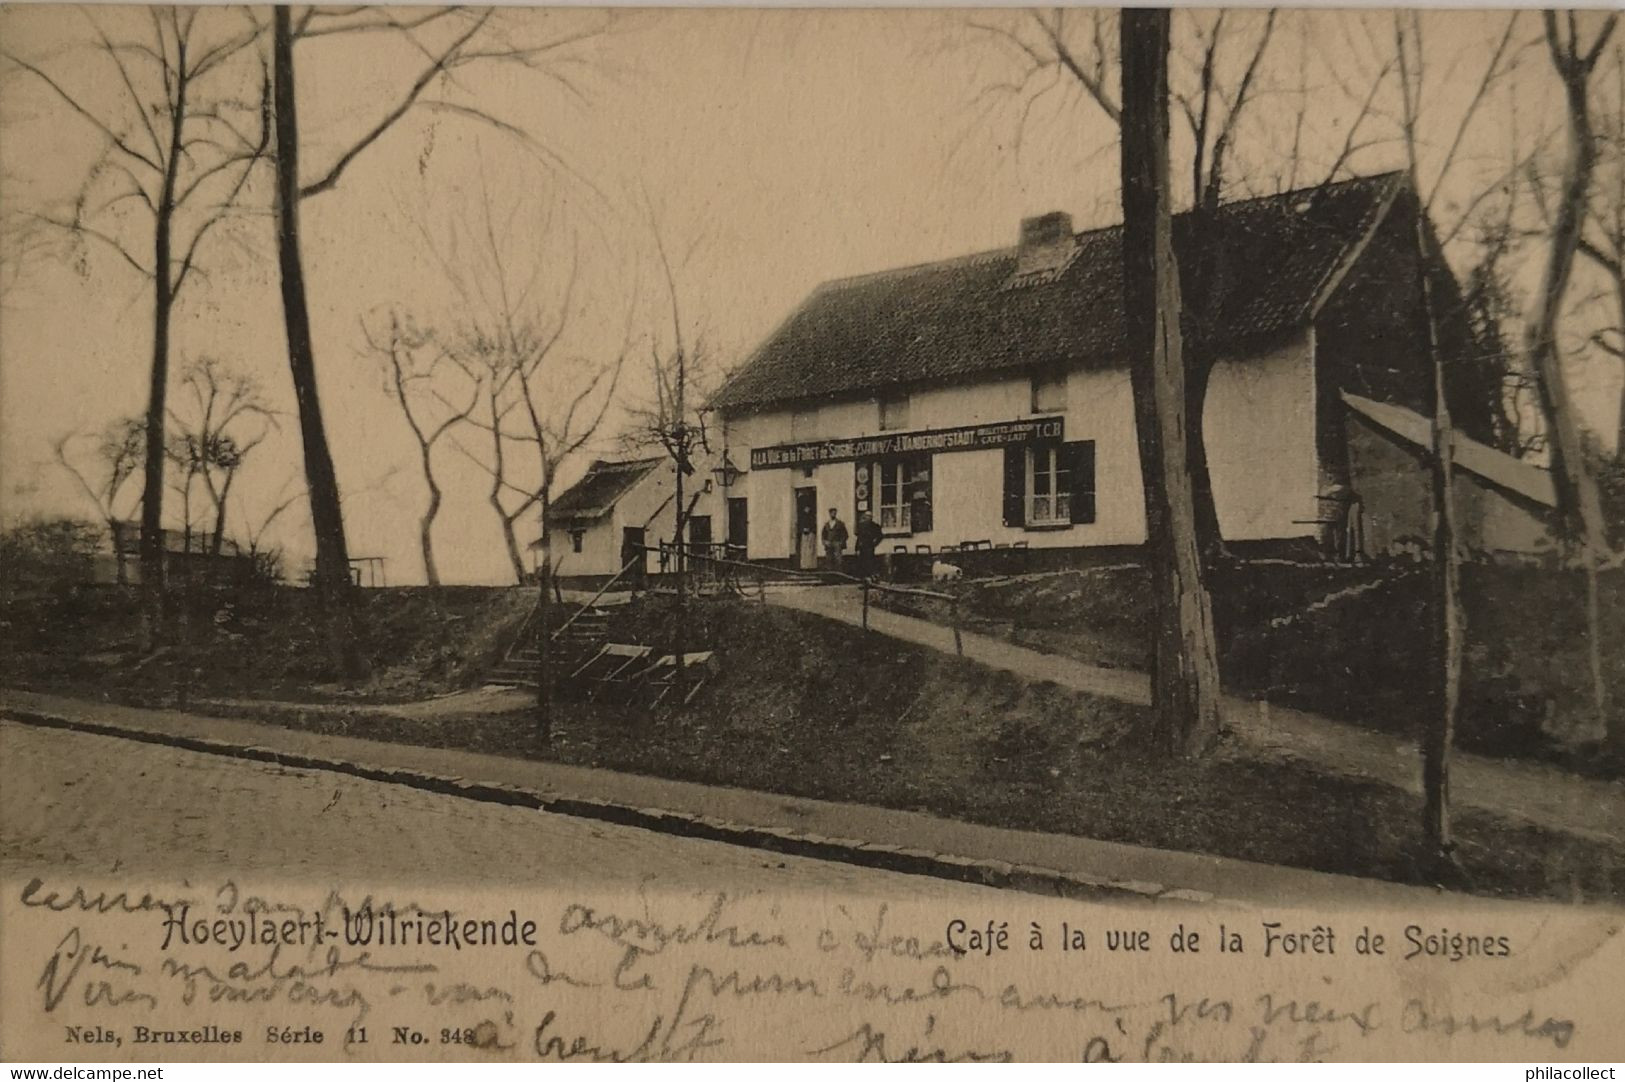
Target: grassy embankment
column 1353, row 644
column 808, row 707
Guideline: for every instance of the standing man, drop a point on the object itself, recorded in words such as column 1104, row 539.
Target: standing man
column 834, row 537
column 868, row 539
column 632, row 554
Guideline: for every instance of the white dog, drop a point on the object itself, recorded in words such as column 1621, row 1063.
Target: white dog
column 941, row 572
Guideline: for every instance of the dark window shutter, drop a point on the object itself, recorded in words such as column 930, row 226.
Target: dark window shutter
column 1080, row 460
column 1015, row 485
column 920, row 470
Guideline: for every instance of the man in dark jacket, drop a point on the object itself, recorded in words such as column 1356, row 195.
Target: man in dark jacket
column 868, row 539
column 834, row 538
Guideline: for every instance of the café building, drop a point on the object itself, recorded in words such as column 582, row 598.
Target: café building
column 984, row 402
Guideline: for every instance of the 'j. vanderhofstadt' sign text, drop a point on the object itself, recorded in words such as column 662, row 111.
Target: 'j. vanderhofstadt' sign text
column 962, row 438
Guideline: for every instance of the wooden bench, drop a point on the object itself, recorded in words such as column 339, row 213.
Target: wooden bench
column 661, row 677
column 616, row 664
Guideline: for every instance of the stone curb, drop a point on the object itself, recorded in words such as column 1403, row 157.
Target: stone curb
column 999, row 874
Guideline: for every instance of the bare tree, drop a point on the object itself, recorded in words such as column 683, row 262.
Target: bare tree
column 1218, row 79
column 1485, row 308
column 681, row 373
column 1184, row 663
column 23, row 243
column 1602, row 238
column 1439, row 735
column 1213, row 111
column 223, row 415
column 1496, row 370
column 469, row 36
column 1435, row 137
column 1579, row 502
column 1474, row 200
column 257, row 521
column 103, row 470
column 535, row 398
column 516, row 280
column 187, row 459
column 420, row 374
column 177, row 151
column 540, row 404
column 220, row 419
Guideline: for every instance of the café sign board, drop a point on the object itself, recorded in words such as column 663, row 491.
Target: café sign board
column 935, row 440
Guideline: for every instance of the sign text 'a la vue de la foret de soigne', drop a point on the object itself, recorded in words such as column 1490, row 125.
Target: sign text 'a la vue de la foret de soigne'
column 961, row 438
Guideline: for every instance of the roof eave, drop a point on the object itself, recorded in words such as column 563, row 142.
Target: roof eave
column 1340, row 272
column 1230, row 347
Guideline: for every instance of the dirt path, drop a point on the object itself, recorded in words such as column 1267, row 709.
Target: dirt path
column 1533, row 792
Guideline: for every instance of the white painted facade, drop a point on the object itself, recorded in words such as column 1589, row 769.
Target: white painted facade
column 1259, row 426
column 592, row 549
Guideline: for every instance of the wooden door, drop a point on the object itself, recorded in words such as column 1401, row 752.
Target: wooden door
column 806, row 528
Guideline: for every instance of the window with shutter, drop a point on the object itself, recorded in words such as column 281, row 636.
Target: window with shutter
column 917, row 491
column 891, row 478
column 902, row 493
column 1015, row 485
column 1049, row 485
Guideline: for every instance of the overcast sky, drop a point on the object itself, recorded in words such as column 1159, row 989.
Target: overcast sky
column 774, row 150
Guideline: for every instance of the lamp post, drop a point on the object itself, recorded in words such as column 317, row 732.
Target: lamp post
column 727, row 473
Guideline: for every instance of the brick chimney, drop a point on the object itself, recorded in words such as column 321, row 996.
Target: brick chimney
column 1047, row 244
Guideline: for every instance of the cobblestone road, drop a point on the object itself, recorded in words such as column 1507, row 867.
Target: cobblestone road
column 103, row 805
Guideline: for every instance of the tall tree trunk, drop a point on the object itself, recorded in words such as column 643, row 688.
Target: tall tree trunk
column 186, row 518
column 516, row 558
column 333, row 586
column 1209, row 538
column 431, row 573
column 1578, row 499
column 152, row 499
column 163, row 306
column 218, row 540
column 120, row 570
column 1619, row 295
column 510, row 540
column 1201, row 316
column 1185, row 673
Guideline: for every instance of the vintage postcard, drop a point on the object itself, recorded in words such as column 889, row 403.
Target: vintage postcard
column 534, row 535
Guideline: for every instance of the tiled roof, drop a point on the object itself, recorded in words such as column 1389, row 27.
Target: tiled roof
column 595, row 494
column 969, row 316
